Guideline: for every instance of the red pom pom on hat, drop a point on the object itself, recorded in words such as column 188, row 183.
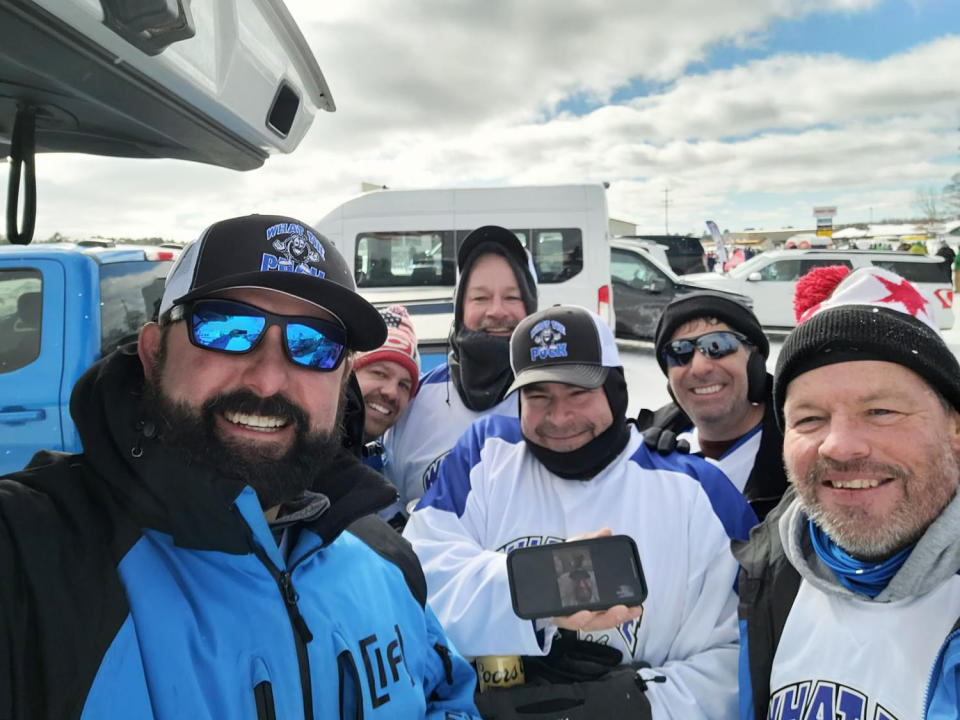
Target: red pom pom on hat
column 815, row 287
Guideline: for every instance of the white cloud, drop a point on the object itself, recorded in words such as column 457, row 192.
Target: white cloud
column 440, row 92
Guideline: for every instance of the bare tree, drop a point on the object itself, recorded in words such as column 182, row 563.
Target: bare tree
column 929, row 204
column 951, row 194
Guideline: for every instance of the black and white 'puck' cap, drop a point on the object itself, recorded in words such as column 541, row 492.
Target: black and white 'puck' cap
column 275, row 253
column 565, row 344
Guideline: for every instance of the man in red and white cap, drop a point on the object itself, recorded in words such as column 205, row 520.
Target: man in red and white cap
column 389, row 375
column 858, row 563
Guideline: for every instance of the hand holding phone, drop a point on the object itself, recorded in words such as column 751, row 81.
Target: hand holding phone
column 586, row 584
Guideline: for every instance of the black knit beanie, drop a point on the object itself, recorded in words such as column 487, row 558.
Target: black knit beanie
column 708, row 304
column 855, row 331
column 499, row 241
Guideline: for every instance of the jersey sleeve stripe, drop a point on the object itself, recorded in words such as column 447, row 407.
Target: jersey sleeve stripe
column 729, row 505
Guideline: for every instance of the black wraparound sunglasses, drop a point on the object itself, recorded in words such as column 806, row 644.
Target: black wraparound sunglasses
column 233, row 327
column 714, row 345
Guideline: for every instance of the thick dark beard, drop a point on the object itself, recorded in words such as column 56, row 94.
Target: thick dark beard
column 192, row 437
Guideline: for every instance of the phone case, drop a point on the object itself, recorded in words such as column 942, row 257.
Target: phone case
column 564, row 610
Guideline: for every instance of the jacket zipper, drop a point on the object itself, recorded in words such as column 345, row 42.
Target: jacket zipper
column 345, row 667
column 263, row 696
column 933, row 670
column 444, row 654
column 301, row 633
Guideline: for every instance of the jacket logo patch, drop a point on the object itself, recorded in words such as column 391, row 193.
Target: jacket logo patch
column 387, row 658
column 811, row 700
column 297, row 250
column 529, row 541
column 546, row 336
column 433, row 471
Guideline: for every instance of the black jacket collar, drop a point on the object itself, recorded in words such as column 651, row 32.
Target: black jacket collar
column 194, row 505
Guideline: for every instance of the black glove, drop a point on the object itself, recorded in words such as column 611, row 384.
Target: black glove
column 664, row 441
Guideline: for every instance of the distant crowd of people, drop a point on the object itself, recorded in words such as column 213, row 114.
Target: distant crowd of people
column 276, row 515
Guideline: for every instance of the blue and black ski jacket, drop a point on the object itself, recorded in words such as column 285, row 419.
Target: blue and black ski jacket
column 135, row 586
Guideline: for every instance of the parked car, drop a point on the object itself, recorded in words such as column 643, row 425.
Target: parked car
column 643, row 286
column 685, row 253
column 62, row 307
column 771, row 277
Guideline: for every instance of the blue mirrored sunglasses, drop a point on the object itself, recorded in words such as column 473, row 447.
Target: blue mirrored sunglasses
column 714, row 345
column 234, row 327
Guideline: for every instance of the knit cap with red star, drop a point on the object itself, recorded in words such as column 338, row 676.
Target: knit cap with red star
column 870, row 314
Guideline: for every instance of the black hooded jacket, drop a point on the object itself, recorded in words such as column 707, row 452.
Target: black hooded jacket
column 67, row 521
column 767, row 480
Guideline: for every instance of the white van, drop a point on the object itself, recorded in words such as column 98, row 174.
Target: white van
column 404, row 246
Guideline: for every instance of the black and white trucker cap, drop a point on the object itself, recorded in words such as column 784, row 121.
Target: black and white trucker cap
column 275, row 253
column 565, row 344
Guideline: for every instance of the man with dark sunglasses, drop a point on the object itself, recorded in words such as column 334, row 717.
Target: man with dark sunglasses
column 713, row 352
column 214, row 552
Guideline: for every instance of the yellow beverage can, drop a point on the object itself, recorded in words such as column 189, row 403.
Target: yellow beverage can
column 499, row 671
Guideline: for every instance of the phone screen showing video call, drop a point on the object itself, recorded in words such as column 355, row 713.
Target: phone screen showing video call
column 558, row 580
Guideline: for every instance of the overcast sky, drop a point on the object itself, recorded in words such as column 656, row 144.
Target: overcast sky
column 748, row 112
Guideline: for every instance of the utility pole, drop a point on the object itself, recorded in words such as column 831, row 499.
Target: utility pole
column 666, row 211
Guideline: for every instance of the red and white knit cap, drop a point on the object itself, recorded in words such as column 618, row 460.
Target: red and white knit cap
column 873, row 287
column 400, row 346
column 869, row 314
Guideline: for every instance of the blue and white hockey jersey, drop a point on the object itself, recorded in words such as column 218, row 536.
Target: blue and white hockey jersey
column 492, row 496
column 427, row 431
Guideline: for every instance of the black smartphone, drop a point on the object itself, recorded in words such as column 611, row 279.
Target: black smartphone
column 560, row 579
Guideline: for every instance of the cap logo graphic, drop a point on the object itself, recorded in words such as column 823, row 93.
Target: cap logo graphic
column 298, row 250
column 546, row 336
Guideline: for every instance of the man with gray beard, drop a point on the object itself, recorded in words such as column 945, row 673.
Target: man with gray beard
column 849, row 591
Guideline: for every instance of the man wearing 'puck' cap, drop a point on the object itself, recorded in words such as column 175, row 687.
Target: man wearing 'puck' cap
column 496, row 289
column 214, row 551
column 569, row 466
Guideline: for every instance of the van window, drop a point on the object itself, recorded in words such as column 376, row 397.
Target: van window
column 21, row 306
column 130, row 295
column 925, row 272
column 557, row 252
column 403, row 259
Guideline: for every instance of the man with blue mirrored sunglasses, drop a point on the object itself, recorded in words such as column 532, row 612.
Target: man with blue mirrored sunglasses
column 217, row 550
column 713, row 351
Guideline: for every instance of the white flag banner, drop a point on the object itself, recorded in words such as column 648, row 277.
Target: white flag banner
column 718, row 239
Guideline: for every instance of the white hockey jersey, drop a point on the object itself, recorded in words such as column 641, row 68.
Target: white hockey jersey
column 493, row 496
column 737, row 462
column 843, row 657
column 427, row 431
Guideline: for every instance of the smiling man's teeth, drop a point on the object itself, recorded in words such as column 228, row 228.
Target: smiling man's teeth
column 708, row 390
column 380, row 408
column 259, row 422
column 858, row 484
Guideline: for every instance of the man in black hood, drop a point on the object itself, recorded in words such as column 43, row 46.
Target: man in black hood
column 495, row 291
column 713, row 352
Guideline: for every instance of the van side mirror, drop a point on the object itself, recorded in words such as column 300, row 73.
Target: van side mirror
column 754, row 277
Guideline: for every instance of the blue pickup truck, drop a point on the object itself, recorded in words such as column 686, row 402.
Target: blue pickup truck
column 62, row 307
